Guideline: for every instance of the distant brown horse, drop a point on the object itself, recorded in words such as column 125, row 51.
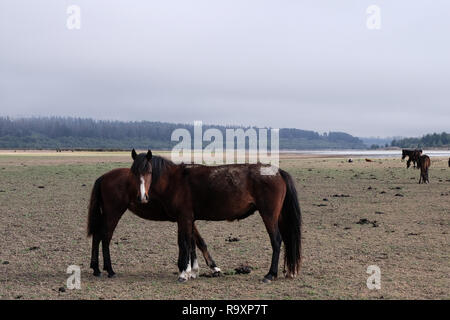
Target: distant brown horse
column 121, row 189
column 423, row 164
column 230, row 192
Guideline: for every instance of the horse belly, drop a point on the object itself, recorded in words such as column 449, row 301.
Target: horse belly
column 231, row 208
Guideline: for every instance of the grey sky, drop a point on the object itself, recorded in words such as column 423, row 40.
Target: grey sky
column 305, row 64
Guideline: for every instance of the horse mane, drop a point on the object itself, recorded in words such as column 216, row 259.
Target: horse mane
column 140, row 165
column 159, row 166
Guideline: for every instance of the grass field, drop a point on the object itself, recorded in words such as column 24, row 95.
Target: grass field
column 43, row 205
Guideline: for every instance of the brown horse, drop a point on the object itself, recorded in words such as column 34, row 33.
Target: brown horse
column 423, row 164
column 230, row 192
column 121, row 189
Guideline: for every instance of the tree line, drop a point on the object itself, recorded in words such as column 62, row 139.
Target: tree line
column 434, row 140
column 80, row 133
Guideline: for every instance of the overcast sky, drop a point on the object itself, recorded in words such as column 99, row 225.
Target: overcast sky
column 305, row 64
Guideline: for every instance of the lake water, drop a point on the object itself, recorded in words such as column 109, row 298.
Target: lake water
column 367, row 153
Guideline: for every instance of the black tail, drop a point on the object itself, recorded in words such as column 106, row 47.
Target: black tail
column 290, row 226
column 95, row 209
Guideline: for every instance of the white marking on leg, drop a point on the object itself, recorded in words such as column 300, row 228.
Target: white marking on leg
column 142, row 188
column 183, row 275
column 186, row 274
column 195, row 270
column 188, row 269
column 217, row 269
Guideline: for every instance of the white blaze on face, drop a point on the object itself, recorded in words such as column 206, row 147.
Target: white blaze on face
column 142, row 188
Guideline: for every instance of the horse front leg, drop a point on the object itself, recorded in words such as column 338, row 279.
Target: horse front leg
column 184, row 247
column 195, row 269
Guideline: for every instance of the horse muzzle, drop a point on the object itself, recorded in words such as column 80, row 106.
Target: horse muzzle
column 143, row 200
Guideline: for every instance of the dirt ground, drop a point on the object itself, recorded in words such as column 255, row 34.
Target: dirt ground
column 43, row 212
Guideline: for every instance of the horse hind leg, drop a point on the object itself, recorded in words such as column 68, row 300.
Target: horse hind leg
column 107, row 266
column 423, row 178
column 271, row 224
column 110, row 226
column 96, row 238
column 204, row 249
column 275, row 241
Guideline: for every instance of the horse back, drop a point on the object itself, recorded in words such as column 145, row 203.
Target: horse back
column 229, row 192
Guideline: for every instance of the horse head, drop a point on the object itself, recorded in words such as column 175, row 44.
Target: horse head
column 404, row 154
column 141, row 172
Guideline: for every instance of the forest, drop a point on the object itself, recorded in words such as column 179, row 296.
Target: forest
column 89, row 134
column 434, row 140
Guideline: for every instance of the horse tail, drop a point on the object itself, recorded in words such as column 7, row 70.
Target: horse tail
column 95, row 209
column 290, row 226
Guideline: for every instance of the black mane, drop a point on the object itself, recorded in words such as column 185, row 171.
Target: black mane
column 159, row 165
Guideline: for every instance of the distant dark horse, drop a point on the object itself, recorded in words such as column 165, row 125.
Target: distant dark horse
column 121, row 189
column 230, row 192
column 423, row 164
column 413, row 156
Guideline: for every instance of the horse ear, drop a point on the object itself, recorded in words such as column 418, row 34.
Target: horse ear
column 133, row 154
column 149, row 155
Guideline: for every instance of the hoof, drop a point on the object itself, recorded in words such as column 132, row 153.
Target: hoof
column 97, row 273
column 111, row 274
column 216, row 272
column 265, row 280
column 182, row 280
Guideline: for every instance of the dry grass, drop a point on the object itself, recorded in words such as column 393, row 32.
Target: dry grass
column 43, row 232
